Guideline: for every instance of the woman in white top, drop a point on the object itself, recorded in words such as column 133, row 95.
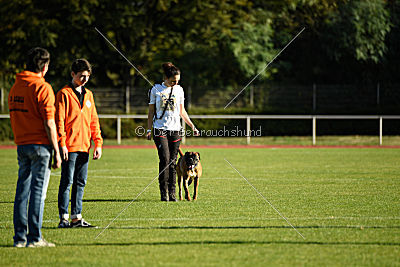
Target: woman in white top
column 166, row 107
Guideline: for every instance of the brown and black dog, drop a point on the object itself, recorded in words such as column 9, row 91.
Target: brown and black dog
column 188, row 170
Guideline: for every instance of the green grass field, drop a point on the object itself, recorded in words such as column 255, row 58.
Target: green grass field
column 346, row 202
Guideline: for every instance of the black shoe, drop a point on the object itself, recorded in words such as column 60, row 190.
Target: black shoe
column 64, row 224
column 163, row 193
column 172, row 194
column 164, row 196
column 172, row 197
column 82, row 223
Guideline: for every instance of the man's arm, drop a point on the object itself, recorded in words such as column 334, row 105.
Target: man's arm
column 96, row 133
column 46, row 101
column 61, row 99
column 51, row 131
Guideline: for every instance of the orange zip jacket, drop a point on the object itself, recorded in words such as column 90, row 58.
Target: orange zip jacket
column 31, row 103
column 76, row 125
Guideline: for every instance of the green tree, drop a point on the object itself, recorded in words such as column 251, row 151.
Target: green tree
column 359, row 29
column 252, row 48
column 23, row 25
column 216, row 43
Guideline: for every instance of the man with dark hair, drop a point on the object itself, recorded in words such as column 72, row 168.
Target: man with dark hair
column 77, row 124
column 37, row 59
column 31, row 105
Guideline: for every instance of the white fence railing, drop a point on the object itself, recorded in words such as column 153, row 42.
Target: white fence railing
column 314, row 118
column 248, row 119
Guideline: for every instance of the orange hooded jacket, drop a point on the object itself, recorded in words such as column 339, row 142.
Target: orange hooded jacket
column 76, row 125
column 31, row 103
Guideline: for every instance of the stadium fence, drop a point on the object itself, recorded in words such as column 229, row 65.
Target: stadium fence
column 248, row 118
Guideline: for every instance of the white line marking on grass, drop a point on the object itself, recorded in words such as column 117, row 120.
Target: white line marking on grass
column 146, row 177
column 264, row 68
column 110, row 176
column 132, row 200
column 231, row 219
column 249, row 219
column 265, row 199
column 117, row 177
column 123, row 170
column 109, row 170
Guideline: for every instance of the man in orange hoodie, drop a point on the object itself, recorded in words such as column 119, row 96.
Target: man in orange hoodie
column 31, row 105
column 77, row 124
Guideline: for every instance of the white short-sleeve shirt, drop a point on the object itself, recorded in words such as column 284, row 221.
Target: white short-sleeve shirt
column 159, row 95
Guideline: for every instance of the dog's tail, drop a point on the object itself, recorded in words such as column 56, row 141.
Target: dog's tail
column 180, row 152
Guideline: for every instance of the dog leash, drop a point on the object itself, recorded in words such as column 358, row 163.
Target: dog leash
column 168, row 103
column 180, row 152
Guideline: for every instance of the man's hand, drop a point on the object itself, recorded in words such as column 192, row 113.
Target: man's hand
column 64, row 152
column 97, row 153
column 56, row 161
column 50, row 127
column 196, row 132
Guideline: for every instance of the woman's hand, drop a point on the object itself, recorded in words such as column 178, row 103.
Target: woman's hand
column 196, row 132
column 148, row 135
column 150, row 120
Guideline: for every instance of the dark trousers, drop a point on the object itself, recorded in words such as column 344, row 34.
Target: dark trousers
column 167, row 143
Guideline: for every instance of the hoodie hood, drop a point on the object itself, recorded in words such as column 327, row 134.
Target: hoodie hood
column 30, row 77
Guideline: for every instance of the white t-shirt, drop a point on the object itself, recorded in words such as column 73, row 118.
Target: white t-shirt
column 159, row 95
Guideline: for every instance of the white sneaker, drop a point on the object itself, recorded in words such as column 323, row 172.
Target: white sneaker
column 20, row 244
column 39, row 244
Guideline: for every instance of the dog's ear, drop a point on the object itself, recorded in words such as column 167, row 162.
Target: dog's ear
column 198, row 154
column 187, row 154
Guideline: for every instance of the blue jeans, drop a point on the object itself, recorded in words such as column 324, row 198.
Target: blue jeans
column 33, row 179
column 73, row 172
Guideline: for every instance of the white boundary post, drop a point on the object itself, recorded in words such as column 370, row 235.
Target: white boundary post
column 314, row 130
column 248, row 125
column 119, row 130
column 380, row 130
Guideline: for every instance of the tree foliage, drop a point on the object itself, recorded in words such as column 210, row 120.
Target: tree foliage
column 359, row 29
column 215, row 43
